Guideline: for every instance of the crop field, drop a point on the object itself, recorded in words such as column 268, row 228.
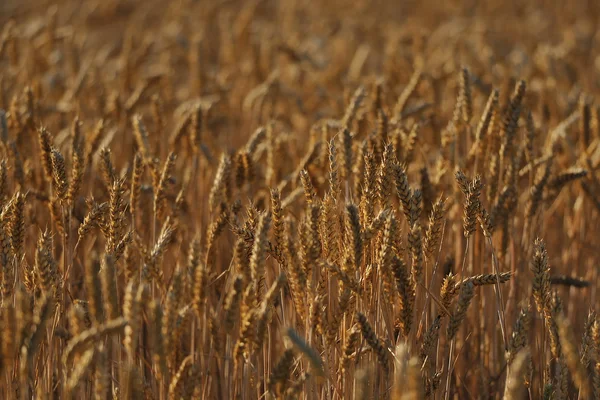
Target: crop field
column 299, row 199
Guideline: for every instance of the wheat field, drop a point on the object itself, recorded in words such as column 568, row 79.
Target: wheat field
column 299, row 199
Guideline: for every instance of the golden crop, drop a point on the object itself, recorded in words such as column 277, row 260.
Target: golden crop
column 299, row 199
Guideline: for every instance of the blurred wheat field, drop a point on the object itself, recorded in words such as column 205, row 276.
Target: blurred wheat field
column 299, row 199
